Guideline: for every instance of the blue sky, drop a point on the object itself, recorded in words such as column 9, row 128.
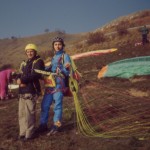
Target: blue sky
column 23, row 18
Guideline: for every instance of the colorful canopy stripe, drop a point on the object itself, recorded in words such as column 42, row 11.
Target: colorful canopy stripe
column 127, row 68
column 91, row 53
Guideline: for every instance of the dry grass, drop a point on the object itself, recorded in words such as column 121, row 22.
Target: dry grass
column 134, row 80
column 138, row 93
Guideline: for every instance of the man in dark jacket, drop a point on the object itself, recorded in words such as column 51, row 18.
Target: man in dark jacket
column 29, row 89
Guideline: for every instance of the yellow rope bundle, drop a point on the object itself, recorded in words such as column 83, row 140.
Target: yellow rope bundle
column 83, row 125
column 123, row 130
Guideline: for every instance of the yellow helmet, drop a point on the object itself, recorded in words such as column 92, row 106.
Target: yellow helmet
column 31, row 46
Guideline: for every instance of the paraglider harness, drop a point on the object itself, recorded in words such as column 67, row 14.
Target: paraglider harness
column 36, row 84
column 71, row 81
column 15, row 75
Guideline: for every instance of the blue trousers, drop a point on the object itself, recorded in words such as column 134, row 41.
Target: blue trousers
column 57, row 97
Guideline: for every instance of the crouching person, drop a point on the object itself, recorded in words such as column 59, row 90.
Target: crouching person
column 29, row 89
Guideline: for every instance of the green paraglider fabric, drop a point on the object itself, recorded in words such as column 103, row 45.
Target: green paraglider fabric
column 128, row 67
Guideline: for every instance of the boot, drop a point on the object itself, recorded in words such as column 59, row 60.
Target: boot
column 41, row 128
column 55, row 129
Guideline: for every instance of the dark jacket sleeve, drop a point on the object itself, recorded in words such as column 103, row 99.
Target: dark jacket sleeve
column 33, row 75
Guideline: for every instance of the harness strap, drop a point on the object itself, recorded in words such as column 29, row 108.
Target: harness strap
column 24, row 63
column 49, row 91
column 35, row 62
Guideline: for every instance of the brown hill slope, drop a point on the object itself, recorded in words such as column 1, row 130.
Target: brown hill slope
column 12, row 50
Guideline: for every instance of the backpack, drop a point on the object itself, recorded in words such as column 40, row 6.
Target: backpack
column 71, row 81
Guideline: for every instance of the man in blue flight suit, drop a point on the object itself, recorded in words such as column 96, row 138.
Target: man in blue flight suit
column 60, row 64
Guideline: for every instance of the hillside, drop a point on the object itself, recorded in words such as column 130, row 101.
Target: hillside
column 12, row 50
column 132, row 20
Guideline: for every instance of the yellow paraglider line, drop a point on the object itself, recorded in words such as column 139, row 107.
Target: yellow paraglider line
column 86, row 129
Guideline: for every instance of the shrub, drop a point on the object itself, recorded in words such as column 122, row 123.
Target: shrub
column 97, row 37
column 60, row 33
column 122, row 28
column 144, row 14
column 46, row 30
column 13, row 38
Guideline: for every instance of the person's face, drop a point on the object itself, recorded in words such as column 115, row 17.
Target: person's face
column 58, row 46
column 30, row 53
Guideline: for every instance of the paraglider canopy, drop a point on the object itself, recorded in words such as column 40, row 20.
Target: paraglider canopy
column 126, row 68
